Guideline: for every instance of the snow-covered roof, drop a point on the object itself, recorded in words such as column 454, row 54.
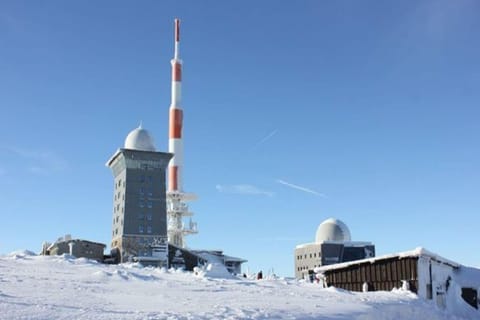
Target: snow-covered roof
column 235, row 259
column 412, row 253
column 216, row 256
column 63, row 240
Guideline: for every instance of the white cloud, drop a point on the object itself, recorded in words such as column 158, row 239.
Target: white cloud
column 38, row 170
column 243, row 189
column 41, row 162
column 297, row 187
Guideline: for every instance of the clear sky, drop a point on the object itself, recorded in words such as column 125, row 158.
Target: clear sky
column 367, row 111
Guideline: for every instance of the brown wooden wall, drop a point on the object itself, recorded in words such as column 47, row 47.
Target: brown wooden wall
column 380, row 275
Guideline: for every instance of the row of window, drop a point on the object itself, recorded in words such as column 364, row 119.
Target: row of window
column 314, row 255
column 141, row 229
column 306, row 268
column 148, row 191
column 142, row 179
column 148, row 204
column 117, row 208
column 147, row 215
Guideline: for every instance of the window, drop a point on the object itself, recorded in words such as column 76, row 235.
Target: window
column 149, row 204
column 118, row 207
column 141, row 204
column 141, row 216
column 149, row 216
column 149, row 229
column 140, row 228
column 141, row 191
column 116, row 231
column 141, row 178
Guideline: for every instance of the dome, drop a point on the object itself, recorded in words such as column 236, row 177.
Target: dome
column 332, row 230
column 139, row 139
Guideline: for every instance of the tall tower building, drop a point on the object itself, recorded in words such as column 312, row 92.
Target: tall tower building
column 139, row 226
column 177, row 208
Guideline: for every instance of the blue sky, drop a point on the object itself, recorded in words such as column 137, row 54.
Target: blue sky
column 367, row 111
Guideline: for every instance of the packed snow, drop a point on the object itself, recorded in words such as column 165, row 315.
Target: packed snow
column 63, row 287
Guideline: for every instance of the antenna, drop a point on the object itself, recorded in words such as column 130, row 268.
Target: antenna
column 177, row 38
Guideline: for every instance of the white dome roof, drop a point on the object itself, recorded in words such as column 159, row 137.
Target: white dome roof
column 139, row 139
column 332, row 230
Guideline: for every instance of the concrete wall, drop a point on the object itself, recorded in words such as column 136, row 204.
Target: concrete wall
column 80, row 249
column 307, row 257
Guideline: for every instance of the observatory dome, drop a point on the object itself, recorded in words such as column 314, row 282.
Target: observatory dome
column 139, row 139
column 332, row 230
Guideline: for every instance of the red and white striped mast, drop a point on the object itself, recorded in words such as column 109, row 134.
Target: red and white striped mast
column 175, row 142
column 177, row 208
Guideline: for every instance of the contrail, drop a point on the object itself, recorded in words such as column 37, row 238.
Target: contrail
column 264, row 139
column 243, row 189
column 294, row 186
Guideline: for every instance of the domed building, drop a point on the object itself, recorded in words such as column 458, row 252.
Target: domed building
column 139, row 139
column 333, row 244
column 139, row 225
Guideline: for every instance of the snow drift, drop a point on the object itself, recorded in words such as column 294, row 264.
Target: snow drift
column 62, row 287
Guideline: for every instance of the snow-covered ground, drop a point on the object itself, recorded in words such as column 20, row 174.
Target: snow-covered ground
column 62, row 287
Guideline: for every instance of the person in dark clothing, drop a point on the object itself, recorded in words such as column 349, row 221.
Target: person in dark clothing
column 259, row 275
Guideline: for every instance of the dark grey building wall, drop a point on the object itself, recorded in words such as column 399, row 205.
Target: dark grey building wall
column 139, row 202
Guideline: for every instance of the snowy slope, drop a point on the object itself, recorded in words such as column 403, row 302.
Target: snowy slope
column 62, row 287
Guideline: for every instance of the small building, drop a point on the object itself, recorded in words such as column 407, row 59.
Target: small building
column 77, row 248
column 332, row 245
column 233, row 264
column 422, row 272
column 188, row 259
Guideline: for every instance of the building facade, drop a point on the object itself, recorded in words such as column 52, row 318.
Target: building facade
column 332, row 245
column 77, row 248
column 139, row 224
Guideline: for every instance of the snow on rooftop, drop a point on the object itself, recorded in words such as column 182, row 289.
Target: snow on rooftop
column 419, row 251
